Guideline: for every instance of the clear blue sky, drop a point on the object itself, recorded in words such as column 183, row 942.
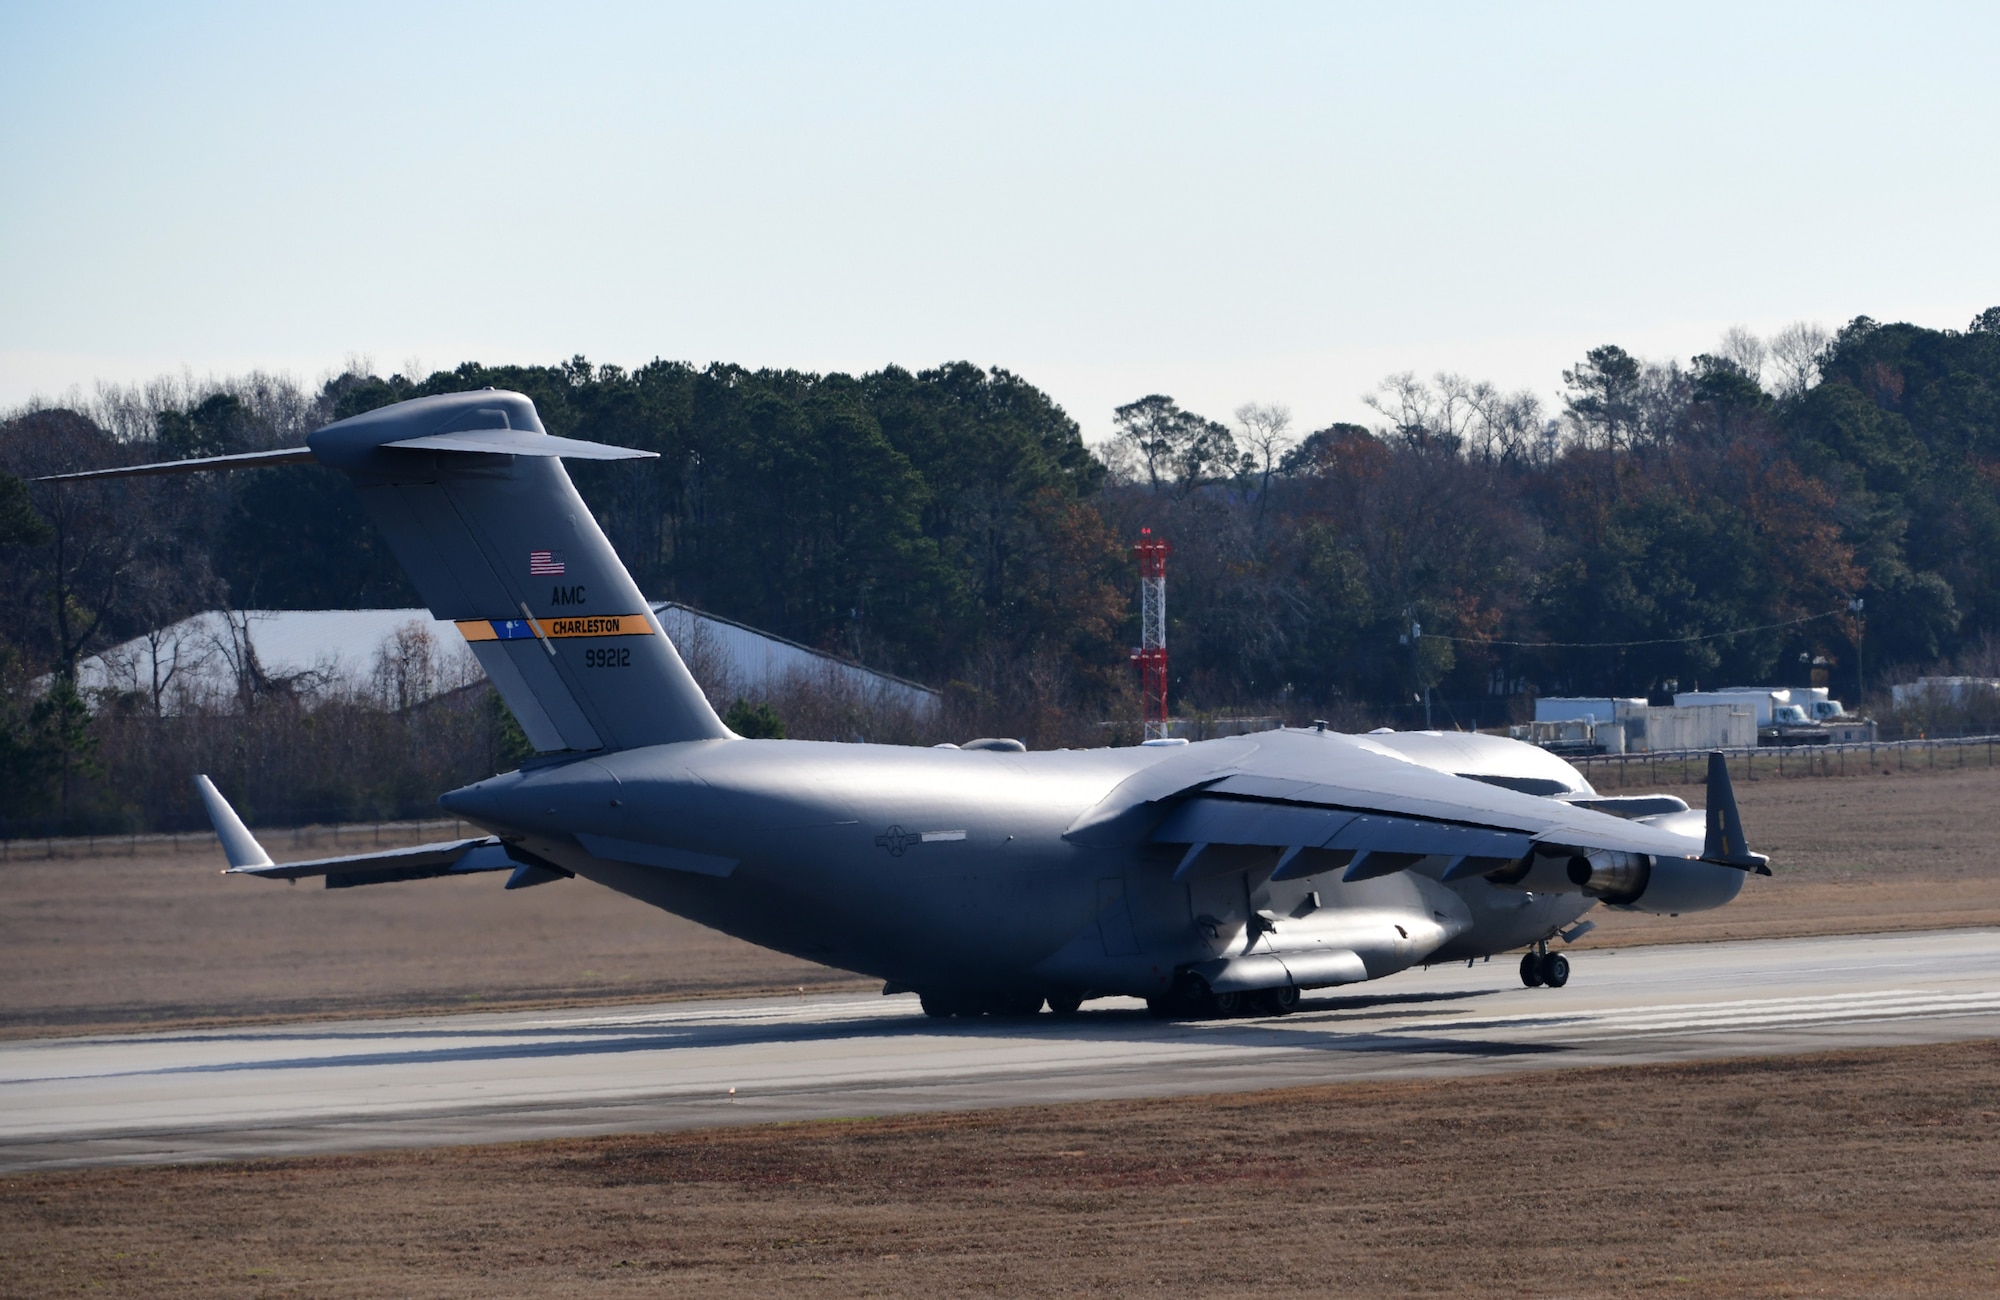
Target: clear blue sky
column 1224, row 203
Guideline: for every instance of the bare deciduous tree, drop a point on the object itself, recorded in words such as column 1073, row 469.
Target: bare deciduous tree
column 1266, row 435
column 1745, row 349
column 1473, row 418
column 1796, row 350
column 1511, row 426
column 149, row 665
column 1427, row 419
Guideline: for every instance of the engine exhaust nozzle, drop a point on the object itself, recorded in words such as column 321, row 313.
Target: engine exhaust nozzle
column 1611, row 876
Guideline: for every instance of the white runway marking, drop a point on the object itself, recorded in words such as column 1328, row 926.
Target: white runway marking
column 1750, row 1014
column 350, row 1085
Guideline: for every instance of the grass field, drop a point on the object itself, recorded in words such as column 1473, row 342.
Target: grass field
column 1913, row 850
column 1856, row 1173
column 125, row 942
column 1851, row 1174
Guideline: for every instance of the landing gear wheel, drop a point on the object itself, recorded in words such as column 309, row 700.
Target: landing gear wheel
column 1065, row 1004
column 1188, row 999
column 1224, row 1004
column 938, row 1006
column 1555, row 970
column 1531, row 969
column 1273, row 1002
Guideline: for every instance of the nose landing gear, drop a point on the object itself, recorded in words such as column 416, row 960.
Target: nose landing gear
column 1540, row 967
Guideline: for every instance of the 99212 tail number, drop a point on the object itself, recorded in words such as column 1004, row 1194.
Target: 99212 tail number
column 608, row 657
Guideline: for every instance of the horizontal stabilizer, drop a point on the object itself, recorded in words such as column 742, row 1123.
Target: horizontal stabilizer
column 246, row 460
column 508, row 442
column 485, row 441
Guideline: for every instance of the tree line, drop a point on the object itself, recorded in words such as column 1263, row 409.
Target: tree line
column 1772, row 506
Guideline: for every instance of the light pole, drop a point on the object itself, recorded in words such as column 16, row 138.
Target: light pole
column 1854, row 607
column 1411, row 639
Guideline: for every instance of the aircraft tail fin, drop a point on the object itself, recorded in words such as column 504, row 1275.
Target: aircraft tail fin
column 471, row 493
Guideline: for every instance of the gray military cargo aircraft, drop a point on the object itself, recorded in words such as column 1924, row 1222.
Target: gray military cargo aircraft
column 1212, row 878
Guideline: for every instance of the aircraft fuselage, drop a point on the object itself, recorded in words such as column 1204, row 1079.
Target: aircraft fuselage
column 940, row 868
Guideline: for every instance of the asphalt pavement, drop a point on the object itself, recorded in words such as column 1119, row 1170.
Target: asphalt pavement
column 352, row 1085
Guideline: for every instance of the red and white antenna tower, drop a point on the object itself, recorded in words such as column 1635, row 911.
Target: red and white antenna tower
column 1152, row 653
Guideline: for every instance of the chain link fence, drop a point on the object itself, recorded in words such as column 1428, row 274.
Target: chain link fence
column 285, row 843
column 1690, row 767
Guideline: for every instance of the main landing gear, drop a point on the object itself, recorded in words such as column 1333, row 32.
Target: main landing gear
column 1540, row 967
column 1192, row 999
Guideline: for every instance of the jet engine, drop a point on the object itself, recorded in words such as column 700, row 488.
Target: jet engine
column 1640, row 882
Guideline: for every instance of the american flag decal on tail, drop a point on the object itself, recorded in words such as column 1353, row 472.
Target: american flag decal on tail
column 545, row 563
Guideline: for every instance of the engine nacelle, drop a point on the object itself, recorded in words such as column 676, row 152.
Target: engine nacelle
column 1540, row 872
column 1642, row 883
column 1609, row 875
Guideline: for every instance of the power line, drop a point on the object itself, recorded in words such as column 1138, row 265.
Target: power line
column 1620, row 645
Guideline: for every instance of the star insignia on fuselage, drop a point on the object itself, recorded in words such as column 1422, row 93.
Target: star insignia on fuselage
column 896, row 839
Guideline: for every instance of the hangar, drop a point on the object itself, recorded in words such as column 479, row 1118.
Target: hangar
column 407, row 655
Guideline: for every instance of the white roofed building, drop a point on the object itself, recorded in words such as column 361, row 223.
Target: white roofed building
column 397, row 657
column 730, row 659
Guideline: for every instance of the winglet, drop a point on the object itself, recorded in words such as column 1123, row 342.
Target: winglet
column 238, row 844
column 1726, row 842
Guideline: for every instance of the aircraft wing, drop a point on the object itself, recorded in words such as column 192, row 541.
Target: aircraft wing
column 384, row 866
column 1384, row 813
column 416, row 862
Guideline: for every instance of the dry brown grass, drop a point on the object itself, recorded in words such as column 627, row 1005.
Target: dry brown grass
column 120, row 943
column 1914, row 850
column 124, row 942
column 1849, row 1174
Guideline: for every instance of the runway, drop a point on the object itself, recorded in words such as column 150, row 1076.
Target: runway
column 356, row 1085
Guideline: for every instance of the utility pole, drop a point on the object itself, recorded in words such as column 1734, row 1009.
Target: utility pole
column 1411, row 639
column 1855, row 607
column 1152, row 653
